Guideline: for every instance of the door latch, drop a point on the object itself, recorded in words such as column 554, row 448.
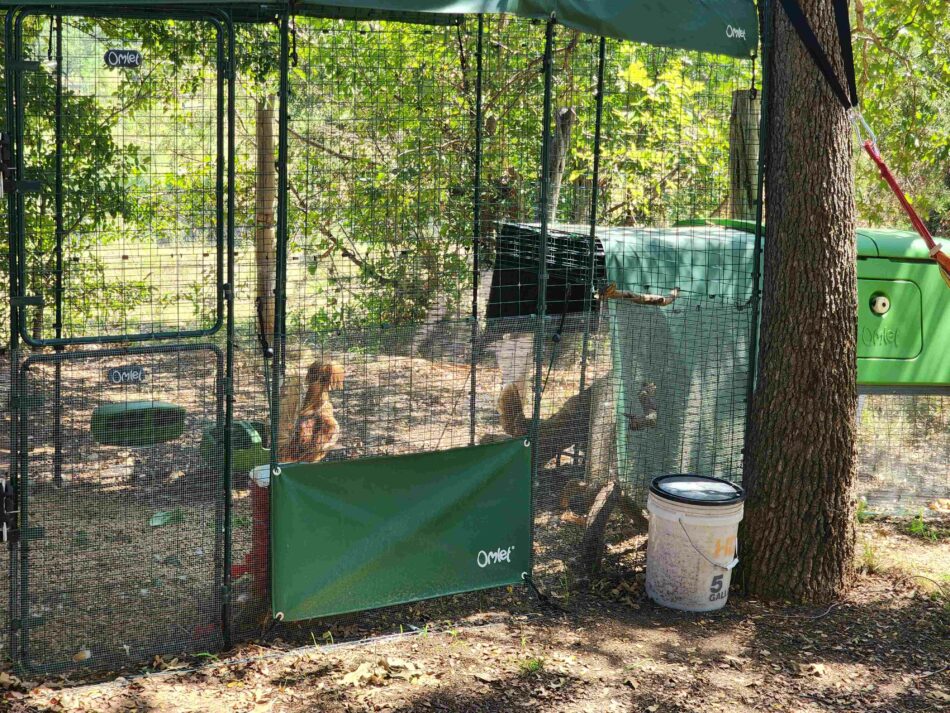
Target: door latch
column 9, row 529
column 7, row 171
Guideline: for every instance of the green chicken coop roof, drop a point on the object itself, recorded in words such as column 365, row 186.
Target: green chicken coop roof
column 727, row 27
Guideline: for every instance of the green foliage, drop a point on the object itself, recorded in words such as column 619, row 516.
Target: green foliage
column 902, row 53
column 921, row 529
column 666, row 136
column 531, row 666
column 870, row 562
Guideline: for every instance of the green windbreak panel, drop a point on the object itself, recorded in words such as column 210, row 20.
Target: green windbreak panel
column 695, row 351
column 368, row 533
column 699, row 260
column 720, row 26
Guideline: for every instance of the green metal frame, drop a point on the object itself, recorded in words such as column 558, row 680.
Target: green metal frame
column 18, row 624
column 15, row 120
column 20, row 618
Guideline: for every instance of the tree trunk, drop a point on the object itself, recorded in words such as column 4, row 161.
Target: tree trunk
column 800, row 449
column 265, row 224
column 601, row 454
column 36, row 324
column 743, row 153
column 564, row 119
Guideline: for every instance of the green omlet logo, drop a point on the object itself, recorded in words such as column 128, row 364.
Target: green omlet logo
column 879, row 337
column 735, row 33
column 494, row 556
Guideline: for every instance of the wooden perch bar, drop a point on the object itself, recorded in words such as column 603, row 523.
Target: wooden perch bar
column 641, row 298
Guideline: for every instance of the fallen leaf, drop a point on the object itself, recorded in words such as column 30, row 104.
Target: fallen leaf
column 572, row 518
column 8, row 680
column 811, row 669
column 166, row 517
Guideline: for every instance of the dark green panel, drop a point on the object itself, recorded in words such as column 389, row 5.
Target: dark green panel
column 137, row 423
column 368, row 533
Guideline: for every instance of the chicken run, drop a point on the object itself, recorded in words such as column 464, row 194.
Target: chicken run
column 359, row 311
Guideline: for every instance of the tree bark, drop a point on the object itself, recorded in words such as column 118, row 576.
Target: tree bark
column 265, row 223
column 36, row 324
column 564, row 119
column 743, row 153
column 800, row 448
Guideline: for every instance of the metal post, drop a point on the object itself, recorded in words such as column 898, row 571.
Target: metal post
column 13, row 561
column 280, row 288
column 58, row 288
column 759, row 212
column 595, row 181
column 229, row 337
column 542, row 257
column 476, row 226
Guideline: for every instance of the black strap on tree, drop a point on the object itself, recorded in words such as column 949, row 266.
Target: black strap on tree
column 849, row 97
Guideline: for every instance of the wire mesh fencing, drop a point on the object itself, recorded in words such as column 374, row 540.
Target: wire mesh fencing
column 401, row 239
column 121, row 507
column 903, row 452
column 113, row 160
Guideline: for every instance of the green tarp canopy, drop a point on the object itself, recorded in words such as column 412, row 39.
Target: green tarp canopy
column 725, row 27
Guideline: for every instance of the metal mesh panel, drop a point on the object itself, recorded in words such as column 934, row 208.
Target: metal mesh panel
column 903, row 451
column 380, row 223
column 664, row 383
column 121, row 544
column 122, row 236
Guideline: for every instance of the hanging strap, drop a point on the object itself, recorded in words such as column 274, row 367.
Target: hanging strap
column 936, row 250
column 849, row 97
column 849, row 100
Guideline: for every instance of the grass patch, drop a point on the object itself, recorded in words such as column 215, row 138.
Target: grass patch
column 531, row 666
column 923, row 530
column 870, row 563
column 863, row 514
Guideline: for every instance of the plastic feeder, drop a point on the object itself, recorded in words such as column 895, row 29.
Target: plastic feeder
column 247, row 446
column 137, row 423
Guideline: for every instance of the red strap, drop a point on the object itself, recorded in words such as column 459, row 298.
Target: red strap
column 936, row 253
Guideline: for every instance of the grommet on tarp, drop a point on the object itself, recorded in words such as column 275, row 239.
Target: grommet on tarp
column 275, row 620
column 543, row 599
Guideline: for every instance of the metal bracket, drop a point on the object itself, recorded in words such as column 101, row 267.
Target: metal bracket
column 7, row 169
column 28, row 186
column 33, row 533
column 35, row 620
column 27, row 301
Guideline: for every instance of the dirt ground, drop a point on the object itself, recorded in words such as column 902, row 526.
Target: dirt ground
column 883, row 647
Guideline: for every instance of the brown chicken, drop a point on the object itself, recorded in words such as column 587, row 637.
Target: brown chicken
column 315, row 430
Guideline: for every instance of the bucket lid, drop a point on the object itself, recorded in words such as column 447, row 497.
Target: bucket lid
column 697, row 489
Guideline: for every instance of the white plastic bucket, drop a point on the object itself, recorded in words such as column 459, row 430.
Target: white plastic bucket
column 692, row 546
